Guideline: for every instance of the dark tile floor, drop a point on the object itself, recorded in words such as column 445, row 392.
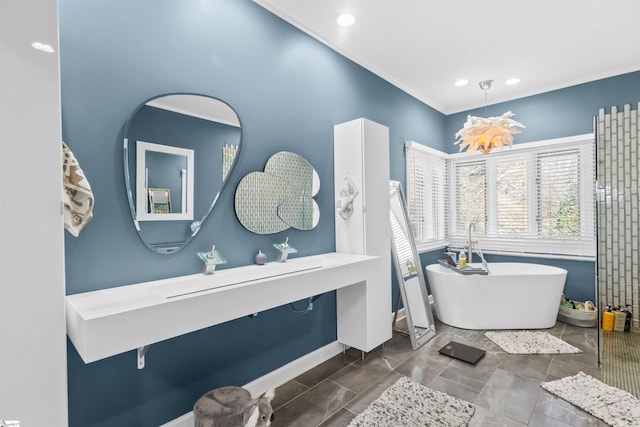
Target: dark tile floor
column 505, row 388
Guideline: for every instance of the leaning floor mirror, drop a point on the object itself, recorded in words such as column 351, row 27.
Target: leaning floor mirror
column 418, row 316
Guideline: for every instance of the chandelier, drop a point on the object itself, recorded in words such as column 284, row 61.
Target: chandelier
column 479, row 133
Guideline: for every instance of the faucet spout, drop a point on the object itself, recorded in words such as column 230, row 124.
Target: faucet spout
column 470, row 257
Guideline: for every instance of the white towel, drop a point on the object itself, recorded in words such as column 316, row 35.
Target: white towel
column 77, row 196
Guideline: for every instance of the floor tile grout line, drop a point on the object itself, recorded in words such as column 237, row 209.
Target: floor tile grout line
column 398, row 355
column 356, row 394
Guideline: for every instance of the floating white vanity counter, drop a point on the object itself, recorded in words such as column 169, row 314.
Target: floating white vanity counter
column 112, row 321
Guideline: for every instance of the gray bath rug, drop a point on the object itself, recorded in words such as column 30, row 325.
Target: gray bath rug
column 530, row 342
column 407, row 403
column 613, row 406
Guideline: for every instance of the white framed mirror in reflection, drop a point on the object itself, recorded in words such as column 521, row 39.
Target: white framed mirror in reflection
column 418, row 322
column 164, row 182
column 186, row 145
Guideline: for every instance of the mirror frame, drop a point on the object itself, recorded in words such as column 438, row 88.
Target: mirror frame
column 142, row 186
column 422, row 302
column 196, row 224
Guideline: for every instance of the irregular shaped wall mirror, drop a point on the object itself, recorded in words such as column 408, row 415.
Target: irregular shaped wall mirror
column 178, row 151
column 280, row 197
column 419, row 319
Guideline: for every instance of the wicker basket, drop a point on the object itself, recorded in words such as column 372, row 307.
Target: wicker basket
column 583, row 318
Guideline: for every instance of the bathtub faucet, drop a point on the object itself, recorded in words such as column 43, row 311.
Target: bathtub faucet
column 484, row 262
column 470, row 257
column 476, row 249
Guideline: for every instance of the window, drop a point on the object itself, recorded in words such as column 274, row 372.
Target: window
column 426, row 194
column 559, row 180
column 532, row 198
column 472, row 177
column 511, row 198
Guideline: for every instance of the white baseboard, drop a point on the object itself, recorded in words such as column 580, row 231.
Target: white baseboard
column 294, row 368
column 275, row 378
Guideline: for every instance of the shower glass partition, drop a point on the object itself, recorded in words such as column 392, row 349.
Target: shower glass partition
column 618, row 241
column 618, row 227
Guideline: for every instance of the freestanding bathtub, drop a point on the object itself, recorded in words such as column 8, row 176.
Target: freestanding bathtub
column 512, row 296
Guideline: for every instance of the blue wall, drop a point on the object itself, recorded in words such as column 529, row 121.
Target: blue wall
column 559, row 113
column 556, row 114
column 289, row 91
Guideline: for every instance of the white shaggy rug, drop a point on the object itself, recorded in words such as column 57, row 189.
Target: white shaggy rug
column 530, row 342
column 613, row 406
column 407, row 403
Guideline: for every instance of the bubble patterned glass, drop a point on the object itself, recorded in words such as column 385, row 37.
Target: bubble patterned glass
column 280, row 197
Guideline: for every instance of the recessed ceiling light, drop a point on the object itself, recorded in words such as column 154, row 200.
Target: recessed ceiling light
column 43, row 47
column 346, row 20
column 461, row 82
column 512, row 81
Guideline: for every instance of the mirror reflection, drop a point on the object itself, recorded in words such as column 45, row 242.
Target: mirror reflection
column 164, row 182
column 418, row 316
column 178, row 152
column 279, row 198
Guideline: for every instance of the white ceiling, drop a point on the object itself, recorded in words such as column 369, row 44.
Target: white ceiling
column 423, row 46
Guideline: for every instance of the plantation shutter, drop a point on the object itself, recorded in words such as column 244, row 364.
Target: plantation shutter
column 535, row 198
column 426, row 194
column 471, row 197
column 512, row 195
column 566, row 189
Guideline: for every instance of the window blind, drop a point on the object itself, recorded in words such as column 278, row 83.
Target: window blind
column 535, row 198
column 538, row 198
column 426, row 194
column 470, row 197
column 512, row 196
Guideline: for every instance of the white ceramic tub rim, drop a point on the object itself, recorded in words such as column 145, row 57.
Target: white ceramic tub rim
column 513, row 296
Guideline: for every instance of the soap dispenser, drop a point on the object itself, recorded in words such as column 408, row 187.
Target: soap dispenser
column 619, row 319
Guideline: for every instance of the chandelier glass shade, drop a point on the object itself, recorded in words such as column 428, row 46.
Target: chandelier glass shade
column 479, row 133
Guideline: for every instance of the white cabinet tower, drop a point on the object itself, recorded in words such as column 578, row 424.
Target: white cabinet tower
column 361, row 158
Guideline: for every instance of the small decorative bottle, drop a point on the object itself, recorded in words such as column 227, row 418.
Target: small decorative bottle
column 261, row 258
column 411, row 268
column 463, row 260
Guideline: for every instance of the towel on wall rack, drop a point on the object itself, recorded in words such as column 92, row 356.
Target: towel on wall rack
column 77, row 196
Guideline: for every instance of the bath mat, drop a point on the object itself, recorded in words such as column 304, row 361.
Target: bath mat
column 530, row 342
column 613, row 406
column 407, row 403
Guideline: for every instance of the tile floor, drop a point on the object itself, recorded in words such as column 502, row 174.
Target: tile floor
column 620, row 360
column 505, row 388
